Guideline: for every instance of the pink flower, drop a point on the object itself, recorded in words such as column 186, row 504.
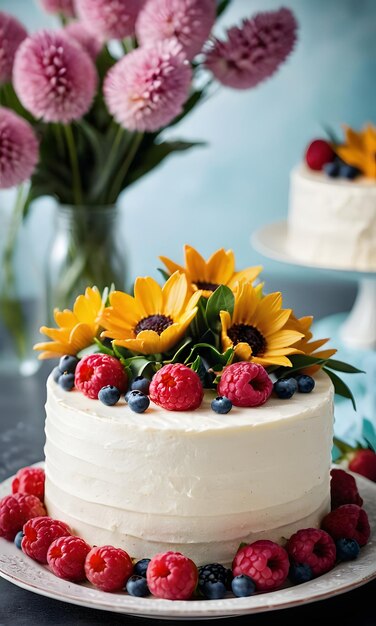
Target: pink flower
column 54, row 78
column 18, row 149
column 65, row 7
column 109, row 19
column 11, row 34
column 188, row 21
column 147, row 88
column 86, row 39
column 253, row 52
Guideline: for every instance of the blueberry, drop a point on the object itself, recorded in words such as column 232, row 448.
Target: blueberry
column 305, row 383
column 141, row 384
column 214, row 589
column 285, row 387
column 221, row 405
column 137, row 401
column 140, row 567
column 243, row 586
column 56, row 373
column 68, row 364
column 348, row 171
column 109, row 395
column 347, row 549
column 137, row 586
column 300, row 573
column 332, row 169
column 18, row 538
column 66, row 381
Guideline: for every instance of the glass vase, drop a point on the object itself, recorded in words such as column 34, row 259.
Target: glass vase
column 86, row 250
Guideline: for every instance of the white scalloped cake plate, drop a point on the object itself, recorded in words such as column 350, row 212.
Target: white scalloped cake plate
column 26, row 573
column 271, row 242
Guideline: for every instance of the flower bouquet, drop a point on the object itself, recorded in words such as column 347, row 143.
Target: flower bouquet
column 205, row 316
column 84, row 108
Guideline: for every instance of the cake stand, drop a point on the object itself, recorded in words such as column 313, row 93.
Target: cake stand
column 353, row 333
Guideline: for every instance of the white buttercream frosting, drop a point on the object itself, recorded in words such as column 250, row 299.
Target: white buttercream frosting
column 332, row 222
column 197, row 482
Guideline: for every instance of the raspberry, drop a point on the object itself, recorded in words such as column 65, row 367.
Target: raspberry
column 349, row 521
column 343, row 489
column 364, row 463
column 39, row 533
column 108, row 568
column 176, row 387
column 98, row 370
column 265, row 562
column 15, row 510
column 312, row 547
column 29, row 480
column 66, row 558
column 172, row 576
column 318, row 153
column 245, row 384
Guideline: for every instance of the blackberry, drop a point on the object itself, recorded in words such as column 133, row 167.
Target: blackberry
column 214, row 572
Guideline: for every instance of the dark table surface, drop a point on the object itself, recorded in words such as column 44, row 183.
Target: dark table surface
column 21, row 443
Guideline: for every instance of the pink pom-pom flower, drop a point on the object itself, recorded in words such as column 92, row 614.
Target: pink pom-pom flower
column 12, row 33
column 62, row 7
column 109, row 19
column 188, row 21
column 85, row 38
column 253, row 52
column 18, row 149
column 147, row 88
column 54, row 78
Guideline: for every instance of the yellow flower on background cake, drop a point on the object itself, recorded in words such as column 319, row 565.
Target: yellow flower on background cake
column 257, row 328
column 76, row 329
column 206, row 276
column 359, row 149
column 155, row 319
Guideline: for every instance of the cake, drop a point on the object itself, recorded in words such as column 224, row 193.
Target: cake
column 332, row 204
column 169, row 466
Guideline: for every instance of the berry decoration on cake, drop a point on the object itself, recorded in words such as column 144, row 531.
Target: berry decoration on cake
column 140, row 383
column 312, row 547
column 137, row 586
column 221, row 405
column 172, row 576
column 66, row 558
column 349, row 521
column 347, row 549
column 137, row 401
column 265, row 562
column 18, row 539
column 96, row 371
column 245, row 384
column 300, row 573
column 364, row 462
column 318, row 154
column 17, row 509
column 176, row 387
column 243, row 586
column 343, row 489
column 140, row 567
column 29, row 480
column 39, row 533
column 109, row 395
column 285, row 388
column 108, row 568
column 213, row 573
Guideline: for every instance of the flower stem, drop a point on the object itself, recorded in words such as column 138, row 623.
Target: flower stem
column 118, row 182
column 77, row 189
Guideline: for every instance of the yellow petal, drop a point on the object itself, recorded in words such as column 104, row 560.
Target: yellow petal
column 171, row 266
column 174, row 293
column 220, row 267
column 243, row 351
column 148, row 294
column 195, row 265
column 248, row 275
column 225, row 318
column 283, row 338
column 277, row 360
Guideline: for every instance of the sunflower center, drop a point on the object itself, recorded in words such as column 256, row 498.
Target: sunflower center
column 248, row 334
column 206, row 286
column 158, row 323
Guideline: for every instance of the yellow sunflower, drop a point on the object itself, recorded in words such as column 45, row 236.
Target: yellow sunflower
column 359, row 150
column 76, row 329
column 206, row 276
column 155, row 319
column 257, row 329
column 305, row 345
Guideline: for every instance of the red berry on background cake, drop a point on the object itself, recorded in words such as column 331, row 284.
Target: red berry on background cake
column 349, row 521
column 98, row 370
column 15, row 510
column 343, row 489
column 172, row 576
column 245, row 384
column 176, row 387
column 108, row 568
column 265, row 562
column 318, row 153
column 364, row 463
column 66, row 558
column 29, row 480
column 312, row 547
column 39, row 533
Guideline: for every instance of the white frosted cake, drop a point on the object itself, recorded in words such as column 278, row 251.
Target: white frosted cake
column 332, row 221
column 194, row 481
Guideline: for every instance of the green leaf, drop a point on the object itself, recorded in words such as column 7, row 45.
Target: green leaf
column 180, row 351
column 222, row 6
column 103, row 348
column 138, row 365
column 93, row 349
column 222, row 299
column 163, row 272
column 299, row 362
column 340, row 366
column 214, row 356
column 342, row 446
column 340, row 387
column 369, row 434
column 199, row 325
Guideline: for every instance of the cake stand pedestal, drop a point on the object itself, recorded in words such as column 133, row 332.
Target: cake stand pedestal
column 353, row 333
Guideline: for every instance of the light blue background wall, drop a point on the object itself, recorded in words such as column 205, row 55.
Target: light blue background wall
column 216, row 196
